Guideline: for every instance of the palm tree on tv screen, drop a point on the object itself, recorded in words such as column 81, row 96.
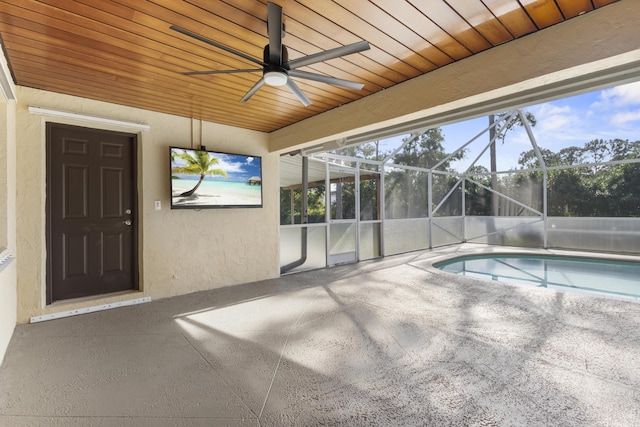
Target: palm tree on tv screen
column 199, row 163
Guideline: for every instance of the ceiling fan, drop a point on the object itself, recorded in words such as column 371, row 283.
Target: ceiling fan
column 277, row 69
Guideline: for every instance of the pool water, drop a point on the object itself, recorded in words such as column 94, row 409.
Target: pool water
column 619, row 278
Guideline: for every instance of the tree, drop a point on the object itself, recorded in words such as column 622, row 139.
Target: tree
column 476, row 197
column 529, row 159
column 200, row 163
column 369, row 151
column 624, row 189
column 407, row 190
column 315, row 204
column 424, row 150
column 343, row 205
column 495, row 134
column 591, row 191
column 369, row 195
column 569, row 156
column 568, row 195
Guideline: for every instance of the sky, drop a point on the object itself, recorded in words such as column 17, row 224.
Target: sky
column 603, row 114
column 238, row 167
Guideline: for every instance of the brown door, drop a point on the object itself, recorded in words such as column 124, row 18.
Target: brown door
column 91, row 212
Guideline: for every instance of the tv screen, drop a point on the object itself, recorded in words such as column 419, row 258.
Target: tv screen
column 208, row 179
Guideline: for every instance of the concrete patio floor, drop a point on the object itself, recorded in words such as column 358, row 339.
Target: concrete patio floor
column 389, row 342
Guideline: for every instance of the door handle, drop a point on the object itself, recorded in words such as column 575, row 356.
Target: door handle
column 127, row 222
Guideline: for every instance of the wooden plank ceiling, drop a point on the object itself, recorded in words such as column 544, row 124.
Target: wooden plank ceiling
column 124, row 52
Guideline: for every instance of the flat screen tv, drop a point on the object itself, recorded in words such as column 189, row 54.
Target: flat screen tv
column 202, row 179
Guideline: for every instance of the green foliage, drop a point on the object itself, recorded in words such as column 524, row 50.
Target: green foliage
column 369, row 202
column 567, row 193
column 529, row 159
column 315, row 205
column 595, row 190
column 501, row 132
column 425, row 150
column 624, row 188
column 344, row 205
column 478, row 199
column 406, row 191
column 369, row 150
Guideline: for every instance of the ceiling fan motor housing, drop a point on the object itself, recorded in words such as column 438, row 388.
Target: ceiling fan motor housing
column 275, row 74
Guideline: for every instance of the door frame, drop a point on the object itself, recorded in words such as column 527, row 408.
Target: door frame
column 135, row 254
column 348, row 257
column 356, row 172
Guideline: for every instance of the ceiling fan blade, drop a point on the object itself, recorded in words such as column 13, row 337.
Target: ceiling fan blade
column 195, row 73
column 328, row 54
column 326, row 79
column 218, row 45
column 274, row 28
column 253, row 90
column 293, row 87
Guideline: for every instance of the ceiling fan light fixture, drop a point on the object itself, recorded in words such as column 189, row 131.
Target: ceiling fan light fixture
column 275, row 78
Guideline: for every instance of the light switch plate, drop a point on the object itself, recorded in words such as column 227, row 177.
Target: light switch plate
column 158, row 205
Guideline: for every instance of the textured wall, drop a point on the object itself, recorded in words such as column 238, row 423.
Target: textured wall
column 180, row 251
column 8, row 279
column 7, row 305
column 527, row 70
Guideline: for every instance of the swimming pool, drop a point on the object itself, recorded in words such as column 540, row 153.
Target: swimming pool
column 605, row 277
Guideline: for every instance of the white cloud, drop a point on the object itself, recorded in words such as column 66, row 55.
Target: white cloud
column 554, row 119
column 573, row 121
column 625, row 117
column 619, row 96
column 249, row 160
column 616, row 105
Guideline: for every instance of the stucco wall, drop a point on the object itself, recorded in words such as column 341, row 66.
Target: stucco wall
column 7, row 305
column 8, row 278
column 575, row 55
column 181, row 251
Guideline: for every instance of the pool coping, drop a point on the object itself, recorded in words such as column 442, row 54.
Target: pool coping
column 453, row 252
column 449, row 253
